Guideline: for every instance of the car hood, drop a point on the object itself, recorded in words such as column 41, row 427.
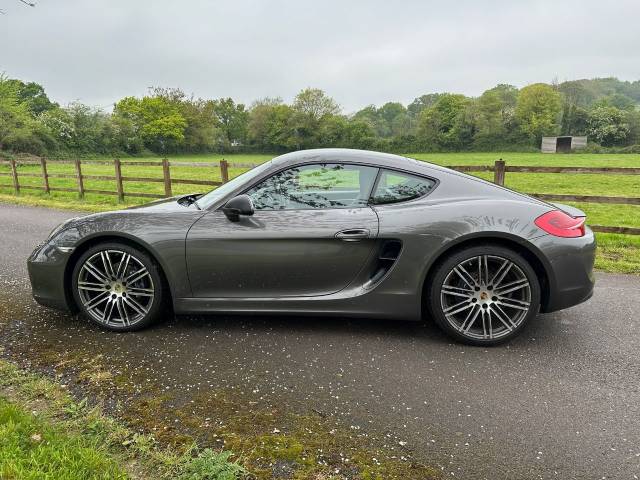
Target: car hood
column 171, row 204
column 165, row 205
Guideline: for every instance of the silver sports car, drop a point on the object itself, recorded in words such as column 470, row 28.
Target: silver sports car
column 327, row 232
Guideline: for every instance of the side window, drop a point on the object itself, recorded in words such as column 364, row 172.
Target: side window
column 326, row 185
column 396, row 187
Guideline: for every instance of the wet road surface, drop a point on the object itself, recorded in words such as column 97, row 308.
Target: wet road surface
column 561, row 401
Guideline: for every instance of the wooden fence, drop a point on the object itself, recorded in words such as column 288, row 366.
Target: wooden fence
column 119, row 179
column 499, row 169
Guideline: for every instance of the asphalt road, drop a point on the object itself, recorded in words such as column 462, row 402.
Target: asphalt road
column 561, row 401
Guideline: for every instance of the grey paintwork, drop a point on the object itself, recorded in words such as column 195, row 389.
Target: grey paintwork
column 291, row 261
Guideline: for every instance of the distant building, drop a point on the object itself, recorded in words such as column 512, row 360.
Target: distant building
column 562, row 144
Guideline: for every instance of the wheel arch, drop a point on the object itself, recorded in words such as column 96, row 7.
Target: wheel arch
column 93, row 240
column 518, row 244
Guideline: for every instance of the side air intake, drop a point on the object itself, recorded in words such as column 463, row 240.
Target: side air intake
column 388, row 253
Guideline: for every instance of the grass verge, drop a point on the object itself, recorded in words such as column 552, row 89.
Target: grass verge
column 46, row 435
column 270, row 441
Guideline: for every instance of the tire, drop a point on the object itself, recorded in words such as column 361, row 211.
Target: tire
column 123, row 293
column 467, row 306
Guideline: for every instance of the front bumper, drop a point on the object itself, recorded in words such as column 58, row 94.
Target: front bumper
column 569, row 265
column 47, row 265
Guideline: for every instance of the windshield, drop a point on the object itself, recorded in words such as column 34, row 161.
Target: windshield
column 223, row 190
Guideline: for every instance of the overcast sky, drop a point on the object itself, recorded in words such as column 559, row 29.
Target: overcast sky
column 358, row 51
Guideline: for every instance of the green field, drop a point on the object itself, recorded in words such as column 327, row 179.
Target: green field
column 617, row 253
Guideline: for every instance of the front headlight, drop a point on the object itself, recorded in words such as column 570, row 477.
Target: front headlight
column 59, row 228
column 64, row 238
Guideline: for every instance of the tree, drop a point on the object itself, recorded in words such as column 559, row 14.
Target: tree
column 270, row 125
column 617, row 100
column 370, row 116
column 19, row 131
column 421, row 103
column 314, row 104
column 13, row 114
column 311, row 108
column 390, row 120
column 495, row 116
column 231, row 119
column 156, row 120
column 445, row 125
column 608, row 126
column 538, row 110
column 33, row 96
column 576, row 93
column 201, row 133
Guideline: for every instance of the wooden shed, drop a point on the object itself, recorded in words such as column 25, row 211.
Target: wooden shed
column 562, row 144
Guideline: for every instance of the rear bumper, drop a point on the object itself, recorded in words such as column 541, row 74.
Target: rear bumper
column 569, row 266
column 46, row 266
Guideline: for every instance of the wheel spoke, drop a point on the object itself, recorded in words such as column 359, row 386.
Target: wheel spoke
column 457, row 291
column 458, row 307
column 500, row 315
column 91, row 286
column 140, row 292
column 490, row 323
column 512, row 303
column 122, row 266
column 137, row 275
column 108, row 266
column 483, row 270
column 108, row 309
column 501, row 273
column 124, row 316
column 513, row 286
column 464, row 275
column 134, row 305
column 97, row 300
column 472, row 320
column 93, row 270
column 486, row 321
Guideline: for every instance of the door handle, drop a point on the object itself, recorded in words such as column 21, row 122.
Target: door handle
column 353, row 234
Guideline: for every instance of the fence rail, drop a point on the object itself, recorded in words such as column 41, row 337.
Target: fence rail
column 119, row 179
column 499, row 169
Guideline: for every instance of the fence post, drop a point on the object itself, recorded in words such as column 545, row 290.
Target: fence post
column 45, row 175
column 498, row 172
column 167, row 177
column 224, row 170
column 14, row 175
column 119, row 187
column 79, row 178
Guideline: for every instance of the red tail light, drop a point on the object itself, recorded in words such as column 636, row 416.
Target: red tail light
column 561, row 224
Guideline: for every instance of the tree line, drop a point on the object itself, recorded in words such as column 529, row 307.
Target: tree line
column 167, row 120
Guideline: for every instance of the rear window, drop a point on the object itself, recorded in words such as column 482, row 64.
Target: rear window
column 394, row 187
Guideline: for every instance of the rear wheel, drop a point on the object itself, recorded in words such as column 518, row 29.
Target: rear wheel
column 484, row 295
column 118, row 287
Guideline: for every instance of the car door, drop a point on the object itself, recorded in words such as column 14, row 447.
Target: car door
column 311, row 233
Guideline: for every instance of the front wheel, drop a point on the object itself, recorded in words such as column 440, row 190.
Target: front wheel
column 484, row 295
column 118, row 287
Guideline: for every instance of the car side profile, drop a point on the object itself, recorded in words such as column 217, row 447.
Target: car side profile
column 327, row 232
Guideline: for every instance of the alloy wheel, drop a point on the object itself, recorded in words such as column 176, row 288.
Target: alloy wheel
column 115, row 288
column 485, row 297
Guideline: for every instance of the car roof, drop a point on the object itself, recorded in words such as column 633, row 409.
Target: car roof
column 378, row 159
column 345, row 154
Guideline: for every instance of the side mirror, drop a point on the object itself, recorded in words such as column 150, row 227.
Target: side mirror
column 240, row 205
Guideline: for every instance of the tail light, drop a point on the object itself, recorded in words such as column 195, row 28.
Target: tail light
column 561, row 224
